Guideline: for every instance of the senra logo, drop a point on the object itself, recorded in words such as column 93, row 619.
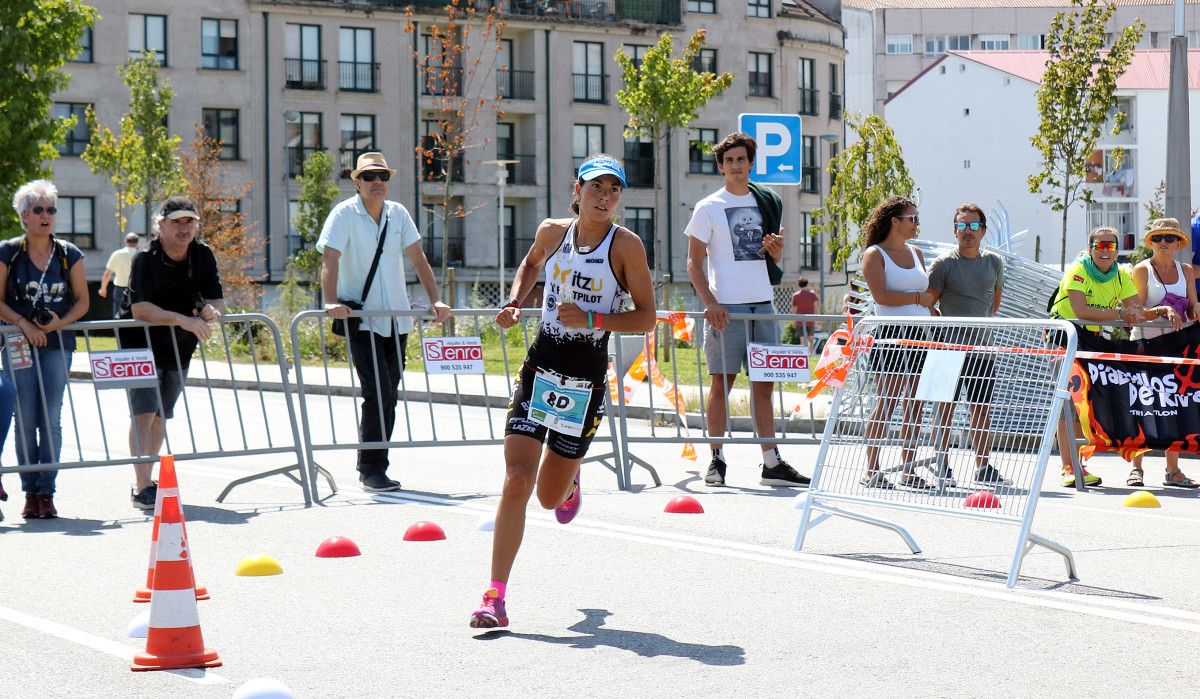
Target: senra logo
column 762, row 358
column 108, row 368
column 441, row 352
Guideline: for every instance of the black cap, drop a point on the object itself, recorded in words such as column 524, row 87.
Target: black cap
column 178, row 207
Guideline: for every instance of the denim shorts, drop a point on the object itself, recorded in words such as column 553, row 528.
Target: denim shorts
column 145, row 400
column 725, row 351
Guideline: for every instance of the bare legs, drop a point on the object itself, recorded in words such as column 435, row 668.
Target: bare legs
column 145, row 439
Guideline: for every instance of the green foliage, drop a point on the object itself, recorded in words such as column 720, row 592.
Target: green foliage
column 1074, row 100
column 868, row 171
column 317, row 195
column 37, row 37
column 141, row 161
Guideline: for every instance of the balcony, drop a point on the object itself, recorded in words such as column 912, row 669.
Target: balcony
column 514, row 84
column 442, row 82
column 524, row 171
column 639, row 172
column 808, row 101
column 835, row 106
column 809, row 179
column 457, row 243
column 358, row 77
column 436, row 166
column 296, row 155
column 591, row 88
column 303, row 74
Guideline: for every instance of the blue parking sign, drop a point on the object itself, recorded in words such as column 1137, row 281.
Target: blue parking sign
column 779, row 147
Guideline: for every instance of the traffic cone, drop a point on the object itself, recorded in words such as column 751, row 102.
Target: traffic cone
column 168, row 484
column 173, row 640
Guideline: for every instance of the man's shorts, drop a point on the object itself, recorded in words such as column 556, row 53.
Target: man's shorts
column 145, row 400
column 978, row 378
column 565, row 445
column 725, row 351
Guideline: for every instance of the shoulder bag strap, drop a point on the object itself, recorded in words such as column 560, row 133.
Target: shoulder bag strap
column 375, row 262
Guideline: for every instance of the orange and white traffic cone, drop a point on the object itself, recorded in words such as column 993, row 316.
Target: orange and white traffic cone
column 173, row 639
column 168, row 484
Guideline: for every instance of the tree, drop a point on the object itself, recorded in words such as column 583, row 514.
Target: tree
column 222, row 226
column 457, row 67
column 662, row 93
column 142, row 160
column 317, row 195
column 867, row 172
column 37, row 37
column 1074, row 101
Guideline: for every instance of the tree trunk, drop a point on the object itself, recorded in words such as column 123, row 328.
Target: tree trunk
column 1063, row 253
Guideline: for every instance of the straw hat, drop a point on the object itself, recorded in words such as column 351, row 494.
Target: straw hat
column 1167, row 225
column 371, row 161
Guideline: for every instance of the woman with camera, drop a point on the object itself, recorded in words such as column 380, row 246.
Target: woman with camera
column 45, row 289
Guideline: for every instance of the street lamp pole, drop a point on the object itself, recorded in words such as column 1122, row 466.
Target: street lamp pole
column 1178, row 194
column 501, row 185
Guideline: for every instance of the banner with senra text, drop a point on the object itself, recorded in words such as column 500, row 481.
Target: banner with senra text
column 1131, row 406
column 131, row 368
column 453, row 355
column 777, row 362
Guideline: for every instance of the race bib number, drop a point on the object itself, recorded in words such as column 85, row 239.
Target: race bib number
column 20, row 354
column 777, row 362
column 559, row 402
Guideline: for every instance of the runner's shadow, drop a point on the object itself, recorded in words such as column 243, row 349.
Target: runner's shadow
column 647, row 645
column 215, row 515
column 70, row 526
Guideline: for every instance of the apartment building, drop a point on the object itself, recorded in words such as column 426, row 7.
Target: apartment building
column 278, row 79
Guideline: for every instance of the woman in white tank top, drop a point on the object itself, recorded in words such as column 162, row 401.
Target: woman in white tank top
column 1166, row 289
column 895, row 274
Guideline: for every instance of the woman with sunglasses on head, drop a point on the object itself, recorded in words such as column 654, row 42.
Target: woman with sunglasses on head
column 597, row 280
column 1096, row 288
column 1167, row 289
column 895, row 274
column 45, row 289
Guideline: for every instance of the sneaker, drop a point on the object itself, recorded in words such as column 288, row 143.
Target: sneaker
column 378, row 483
column 3, row 493
column 716, row 473
column 783, row 475
column 491, row 613
column 566, row 512
column 144, row 500
column 1088, row 478
column 30, row 511
column 988, row 474
column 46, row 508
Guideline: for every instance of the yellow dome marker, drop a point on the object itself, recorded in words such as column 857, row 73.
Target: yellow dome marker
column 1141, row 498
column 259, row 564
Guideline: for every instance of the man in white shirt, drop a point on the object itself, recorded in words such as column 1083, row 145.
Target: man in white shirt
column 347, row 244
column 117, row 269
column 727, row 229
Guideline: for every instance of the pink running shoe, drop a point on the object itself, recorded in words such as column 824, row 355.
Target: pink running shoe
column 566, row 512
column 491, row 613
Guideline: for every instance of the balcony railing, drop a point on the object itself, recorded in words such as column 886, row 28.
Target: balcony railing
column 835, row 106
column 296, row 155
column 514, row 84
column 591, row 88
column 524, row 171
column 646, row 11
column 303, row 74
column 434, row 168
column 358, row 77
column 442, row 81
column 457, row 246
column 809, row 181
column 639, row 172
column 808, row 101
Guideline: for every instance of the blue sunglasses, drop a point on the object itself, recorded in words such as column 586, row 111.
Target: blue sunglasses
column 973, row 225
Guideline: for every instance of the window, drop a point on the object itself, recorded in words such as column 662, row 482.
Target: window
column 441, row 228
column 810, row 165
column 505, row 141
column 586, row 139
column 295, row 242
column 1149, row 40
column 148, row 33
column 810, row 245
column 1114, row 176
column 699, row 161
column 994, row 42
column 758, row 8
column 935, row 45
column 637, row 52
column 84, row 55
column 517, row 240
column 706, row 61
column 1124, row 105
column 759, row 67
column 708, row 7
column 639, row 162
column 357, row 137
column 833, row 153
column 219, row 44
column 436, row 162
column 1119, row 215
column 899, row 43
column 77, row 137
column 1193, row 38
column 808, row 83
column 441, row 74
column 835, row 93
column 303, row 68
column 590, row 80
column 356, row 60
column 222, row 124
column 1031, row 42
column 74, row 223
column 641, row 221
column 303, row 138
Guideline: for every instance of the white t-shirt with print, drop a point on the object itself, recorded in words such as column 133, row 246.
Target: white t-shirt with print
column 731, row 227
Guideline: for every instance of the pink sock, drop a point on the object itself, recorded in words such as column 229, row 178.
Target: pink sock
column 500, row 588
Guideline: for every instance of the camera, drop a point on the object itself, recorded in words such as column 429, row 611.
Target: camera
column 199, row 303
column 40, row 315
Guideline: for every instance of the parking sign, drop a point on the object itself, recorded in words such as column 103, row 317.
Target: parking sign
column 779, row 152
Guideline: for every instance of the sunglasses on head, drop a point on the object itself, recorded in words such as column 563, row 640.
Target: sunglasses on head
column 911, row 217
column 973, row 225
column 369, row 176
column 38, row 210
column 1164, row 238
column 1104, row 245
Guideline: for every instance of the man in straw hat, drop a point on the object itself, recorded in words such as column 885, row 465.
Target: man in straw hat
column 362, row 265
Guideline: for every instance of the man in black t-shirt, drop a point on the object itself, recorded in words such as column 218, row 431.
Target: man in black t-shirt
column 175, row 285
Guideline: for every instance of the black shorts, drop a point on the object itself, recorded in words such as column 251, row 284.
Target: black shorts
column 565, row 445
column 145, row 400
column 978, row 378
column 891, row 358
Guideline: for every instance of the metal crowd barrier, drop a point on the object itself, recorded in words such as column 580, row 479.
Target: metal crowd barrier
column 331, row 423
column 222, row 413
column 907, row 374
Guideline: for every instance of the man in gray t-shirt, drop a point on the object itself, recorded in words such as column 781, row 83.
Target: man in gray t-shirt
column 968, row 282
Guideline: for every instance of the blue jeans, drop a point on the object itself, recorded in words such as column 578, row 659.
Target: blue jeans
column 39, row 428
column 118, row 297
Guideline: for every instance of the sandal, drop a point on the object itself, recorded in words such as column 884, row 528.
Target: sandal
column 1176, row 479
column 1137, row 478
column 912, row 480
column 876, row 480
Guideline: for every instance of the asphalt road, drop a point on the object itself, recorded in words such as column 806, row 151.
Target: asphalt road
column 625, row 601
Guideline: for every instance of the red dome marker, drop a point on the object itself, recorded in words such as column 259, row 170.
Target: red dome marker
column 982, row 499
column 338, row 547
column 424, row 531
column 684, row 505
